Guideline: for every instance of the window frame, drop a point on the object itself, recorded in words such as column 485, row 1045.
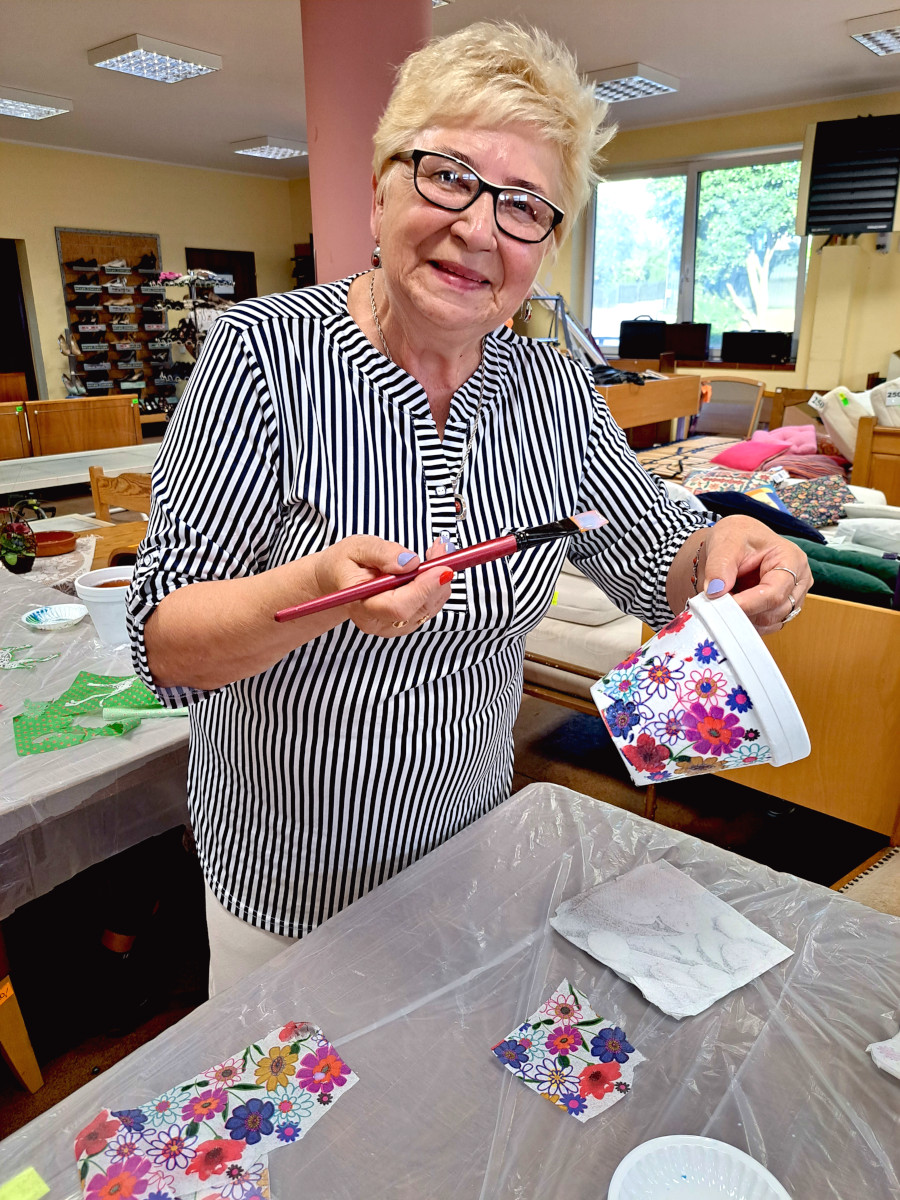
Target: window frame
column 692, row 168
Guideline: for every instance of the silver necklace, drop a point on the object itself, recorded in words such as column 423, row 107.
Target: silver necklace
column 459, row 501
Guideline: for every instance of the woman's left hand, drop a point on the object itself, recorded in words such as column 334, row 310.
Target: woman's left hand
column 768, row 575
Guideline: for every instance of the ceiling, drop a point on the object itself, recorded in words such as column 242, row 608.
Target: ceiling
column 730, row 56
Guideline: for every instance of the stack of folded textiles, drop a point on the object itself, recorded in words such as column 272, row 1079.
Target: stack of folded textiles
column 847, row 574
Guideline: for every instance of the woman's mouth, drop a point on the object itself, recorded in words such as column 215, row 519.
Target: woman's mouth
column 461, row 276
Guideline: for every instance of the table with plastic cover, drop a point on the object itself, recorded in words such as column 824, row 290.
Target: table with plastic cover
column 65, row 810
column 418, row 980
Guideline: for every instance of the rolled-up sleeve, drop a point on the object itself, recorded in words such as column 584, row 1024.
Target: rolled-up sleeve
column 630, row 557
column 215, row 491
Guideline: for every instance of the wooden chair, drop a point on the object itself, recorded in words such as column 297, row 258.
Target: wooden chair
column 13, row 387
column 83, row 423
column 733, row 409
column 785, row 398
column 14, row 442
column 128, row 490
column 876, row 460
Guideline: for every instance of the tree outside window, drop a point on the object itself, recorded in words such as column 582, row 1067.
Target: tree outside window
column 746, row 255
column 747, row 251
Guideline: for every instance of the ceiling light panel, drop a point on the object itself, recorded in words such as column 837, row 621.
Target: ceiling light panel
column 150, row 58
column 270, row 147
column 31, row 105
column 631, row 82
column 879, row 33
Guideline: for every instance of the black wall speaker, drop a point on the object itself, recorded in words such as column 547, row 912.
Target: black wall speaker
column 849, row 177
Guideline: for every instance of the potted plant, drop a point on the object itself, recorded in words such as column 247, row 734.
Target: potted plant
column 17, row 544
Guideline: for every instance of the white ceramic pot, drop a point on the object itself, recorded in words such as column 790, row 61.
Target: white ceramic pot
column 704, row 694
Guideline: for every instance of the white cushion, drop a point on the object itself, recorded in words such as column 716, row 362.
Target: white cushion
column 882, row 533
column 868, row 497
column 580, row 601
column 841, row 411
column 886, row 403
column 597, row 650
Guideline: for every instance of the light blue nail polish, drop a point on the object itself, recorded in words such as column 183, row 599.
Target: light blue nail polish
column 405, row 557
column 448, row 542
column 715, row 586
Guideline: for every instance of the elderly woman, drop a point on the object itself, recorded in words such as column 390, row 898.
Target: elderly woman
column 331, row 434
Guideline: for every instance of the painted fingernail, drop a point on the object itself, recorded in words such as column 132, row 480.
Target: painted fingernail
column 405, row 557
column 715, row 586
column 448, row 542
column 446, row 576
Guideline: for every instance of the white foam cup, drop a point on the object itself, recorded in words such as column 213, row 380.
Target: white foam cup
column 106, row 605
column 702, row 695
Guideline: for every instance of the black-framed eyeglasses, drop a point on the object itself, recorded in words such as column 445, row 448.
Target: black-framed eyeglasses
column 451, row 184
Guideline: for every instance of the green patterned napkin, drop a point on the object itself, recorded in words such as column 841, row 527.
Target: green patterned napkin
column 50, row 724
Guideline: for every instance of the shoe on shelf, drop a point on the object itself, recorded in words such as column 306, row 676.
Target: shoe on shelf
column 134, row 377
column 82, row 264
column 147, row 263
column 74, row 386
column 100, row 356
column 159, row 356
column 93, row 280
column 68, row 345
column 117, row 264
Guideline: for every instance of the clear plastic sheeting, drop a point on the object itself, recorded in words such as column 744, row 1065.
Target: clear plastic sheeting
column 416, row 982
column 65, row 810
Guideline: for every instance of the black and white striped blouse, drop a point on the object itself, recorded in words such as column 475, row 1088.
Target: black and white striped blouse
column 345, row 762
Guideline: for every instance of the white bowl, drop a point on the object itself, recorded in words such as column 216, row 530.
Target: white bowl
column 54, row 616
column 686, row 1167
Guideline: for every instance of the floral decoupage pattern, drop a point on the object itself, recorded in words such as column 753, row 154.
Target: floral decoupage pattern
column 210, row 1136
column 673, row 713
column 580, row 1062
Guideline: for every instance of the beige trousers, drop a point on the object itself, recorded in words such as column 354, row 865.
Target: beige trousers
column 236, row 948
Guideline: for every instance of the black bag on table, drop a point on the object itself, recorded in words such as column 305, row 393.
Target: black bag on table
column 688, row 339
column 756, row 346
column 642, row 338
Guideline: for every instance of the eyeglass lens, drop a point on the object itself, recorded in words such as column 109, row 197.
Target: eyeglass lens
column 448, row 184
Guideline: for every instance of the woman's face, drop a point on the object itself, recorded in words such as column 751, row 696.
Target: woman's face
column 457, row 271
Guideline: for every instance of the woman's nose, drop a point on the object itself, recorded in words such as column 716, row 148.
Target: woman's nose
column 475, row 224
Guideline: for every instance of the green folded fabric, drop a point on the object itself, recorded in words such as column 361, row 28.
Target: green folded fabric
column 884, row 569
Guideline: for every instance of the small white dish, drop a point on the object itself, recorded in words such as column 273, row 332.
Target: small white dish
column 55, row 616
column 686, row 1167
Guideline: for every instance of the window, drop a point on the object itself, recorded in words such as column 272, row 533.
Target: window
column 705, row 242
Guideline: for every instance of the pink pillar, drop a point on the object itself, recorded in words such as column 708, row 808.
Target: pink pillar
column 351, row 49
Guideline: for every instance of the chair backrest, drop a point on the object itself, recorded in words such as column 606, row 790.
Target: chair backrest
column 733, row 407
column 128, row 490
column 14, row 441
column 83, row 423
column 13, row 386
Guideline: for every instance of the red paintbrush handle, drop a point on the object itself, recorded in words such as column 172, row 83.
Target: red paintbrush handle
column 459, row 560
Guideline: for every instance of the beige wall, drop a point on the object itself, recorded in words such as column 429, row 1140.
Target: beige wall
column 186, row 206
column 851, row 310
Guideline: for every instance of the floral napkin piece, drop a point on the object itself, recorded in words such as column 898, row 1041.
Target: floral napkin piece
column 578, row 1061
column 887, row 1054
column 209, row 1137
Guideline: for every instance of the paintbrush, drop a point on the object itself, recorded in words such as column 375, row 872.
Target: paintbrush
column 459, row 560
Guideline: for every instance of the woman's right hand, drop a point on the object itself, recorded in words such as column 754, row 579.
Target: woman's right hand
column 359, row 558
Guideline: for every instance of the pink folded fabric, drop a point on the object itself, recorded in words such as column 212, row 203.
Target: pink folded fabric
column 801, row 438
column 806, row 466
column 747, row 456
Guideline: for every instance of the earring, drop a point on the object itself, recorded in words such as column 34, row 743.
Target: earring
column 376, row 256
column 524, row 313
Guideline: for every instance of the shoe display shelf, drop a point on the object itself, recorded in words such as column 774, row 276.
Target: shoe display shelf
column 202, row 306
column 107, row 280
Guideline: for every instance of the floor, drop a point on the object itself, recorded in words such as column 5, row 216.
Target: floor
column 87, row 1006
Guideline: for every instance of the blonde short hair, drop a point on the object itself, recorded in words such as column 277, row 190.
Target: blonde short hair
column 492, row 74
